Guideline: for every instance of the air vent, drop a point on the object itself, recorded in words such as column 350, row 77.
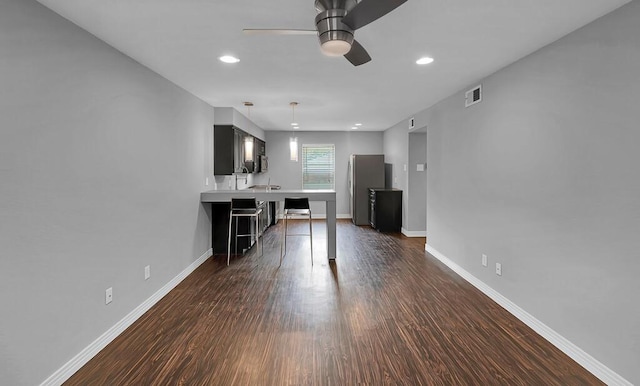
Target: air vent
column 473, row 96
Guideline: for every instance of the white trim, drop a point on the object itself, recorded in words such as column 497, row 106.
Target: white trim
column 592, row 365
column 414, row 233
column 69, row 368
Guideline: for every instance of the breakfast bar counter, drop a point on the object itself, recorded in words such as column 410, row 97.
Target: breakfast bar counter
column 262, row 194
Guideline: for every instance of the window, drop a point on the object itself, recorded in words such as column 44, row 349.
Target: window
column 318, row 166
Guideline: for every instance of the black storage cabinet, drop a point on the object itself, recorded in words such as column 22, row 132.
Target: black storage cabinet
column 385, row 209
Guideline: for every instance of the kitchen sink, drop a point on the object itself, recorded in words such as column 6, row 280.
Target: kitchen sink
column 272, row 187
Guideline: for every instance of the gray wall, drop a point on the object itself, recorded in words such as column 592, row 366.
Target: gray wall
column 396, row 155
column 417, row 183
column 231, row 116
column 542, row 176
column 101, row 166
column 404, row 148
column 288, row 174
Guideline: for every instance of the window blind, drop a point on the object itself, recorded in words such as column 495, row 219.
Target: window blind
column 318, row 167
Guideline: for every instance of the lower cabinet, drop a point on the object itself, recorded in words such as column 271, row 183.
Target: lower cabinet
column 220, row 227
column 385, row 209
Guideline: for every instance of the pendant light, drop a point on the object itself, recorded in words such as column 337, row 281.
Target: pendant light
column 293, row 141
column 293, row 148
column 248, row 140
column 248, row 105
column 248, row 149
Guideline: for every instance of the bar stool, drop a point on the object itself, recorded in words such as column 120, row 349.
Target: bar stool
column 244, row 207
column 295, row 206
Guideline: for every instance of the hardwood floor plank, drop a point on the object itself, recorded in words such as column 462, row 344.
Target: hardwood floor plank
column 385, row 313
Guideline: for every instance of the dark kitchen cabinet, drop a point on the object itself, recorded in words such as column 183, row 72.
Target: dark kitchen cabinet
column 246, row 225
column 220, row 229
column 230, row 146
column 224, row 150
column 385, row 209
column 260, row 150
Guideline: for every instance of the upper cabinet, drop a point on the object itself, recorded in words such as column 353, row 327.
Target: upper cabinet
column 235, row 151
column 260, row 150
column 224, row 150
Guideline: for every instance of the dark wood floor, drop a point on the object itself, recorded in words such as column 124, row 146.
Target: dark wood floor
column 385, row 313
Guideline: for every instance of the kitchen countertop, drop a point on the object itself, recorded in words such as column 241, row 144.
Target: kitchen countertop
column 267, row 195
column 262, row 194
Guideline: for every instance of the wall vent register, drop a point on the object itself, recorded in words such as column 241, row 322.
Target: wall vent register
column 473, row 96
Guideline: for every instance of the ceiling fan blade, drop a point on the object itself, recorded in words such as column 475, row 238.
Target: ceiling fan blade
column 357, row 55
column 248, row 31
column 369, row 10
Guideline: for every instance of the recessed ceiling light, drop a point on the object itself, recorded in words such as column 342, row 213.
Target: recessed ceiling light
column 358, row 124
column 296, row 127
column 229, row 59
column 294, row 124
column 354, row 128
column 424, row 60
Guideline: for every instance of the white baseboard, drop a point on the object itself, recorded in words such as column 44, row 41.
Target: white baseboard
column 414, row 233
column 69, row 368
column 595, row 367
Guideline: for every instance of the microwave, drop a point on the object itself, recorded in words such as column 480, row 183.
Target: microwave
column 263, row 165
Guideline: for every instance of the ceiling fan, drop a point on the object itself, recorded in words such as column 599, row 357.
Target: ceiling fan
column 335, row 25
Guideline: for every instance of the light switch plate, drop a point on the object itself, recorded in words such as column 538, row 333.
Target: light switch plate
column 108, row 295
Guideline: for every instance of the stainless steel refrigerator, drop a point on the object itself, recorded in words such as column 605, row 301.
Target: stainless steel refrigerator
column 365, row 171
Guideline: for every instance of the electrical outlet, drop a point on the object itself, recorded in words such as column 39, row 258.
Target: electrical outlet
column 108, row 295
column 147, row 272
column 498, row 269
column 485, row 260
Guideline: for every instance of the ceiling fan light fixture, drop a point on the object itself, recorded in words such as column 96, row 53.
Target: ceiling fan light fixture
column 335, row 47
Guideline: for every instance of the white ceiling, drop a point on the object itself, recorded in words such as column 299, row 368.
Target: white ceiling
column 469, row 39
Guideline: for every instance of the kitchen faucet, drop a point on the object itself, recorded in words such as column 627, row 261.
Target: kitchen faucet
column 244, row 171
